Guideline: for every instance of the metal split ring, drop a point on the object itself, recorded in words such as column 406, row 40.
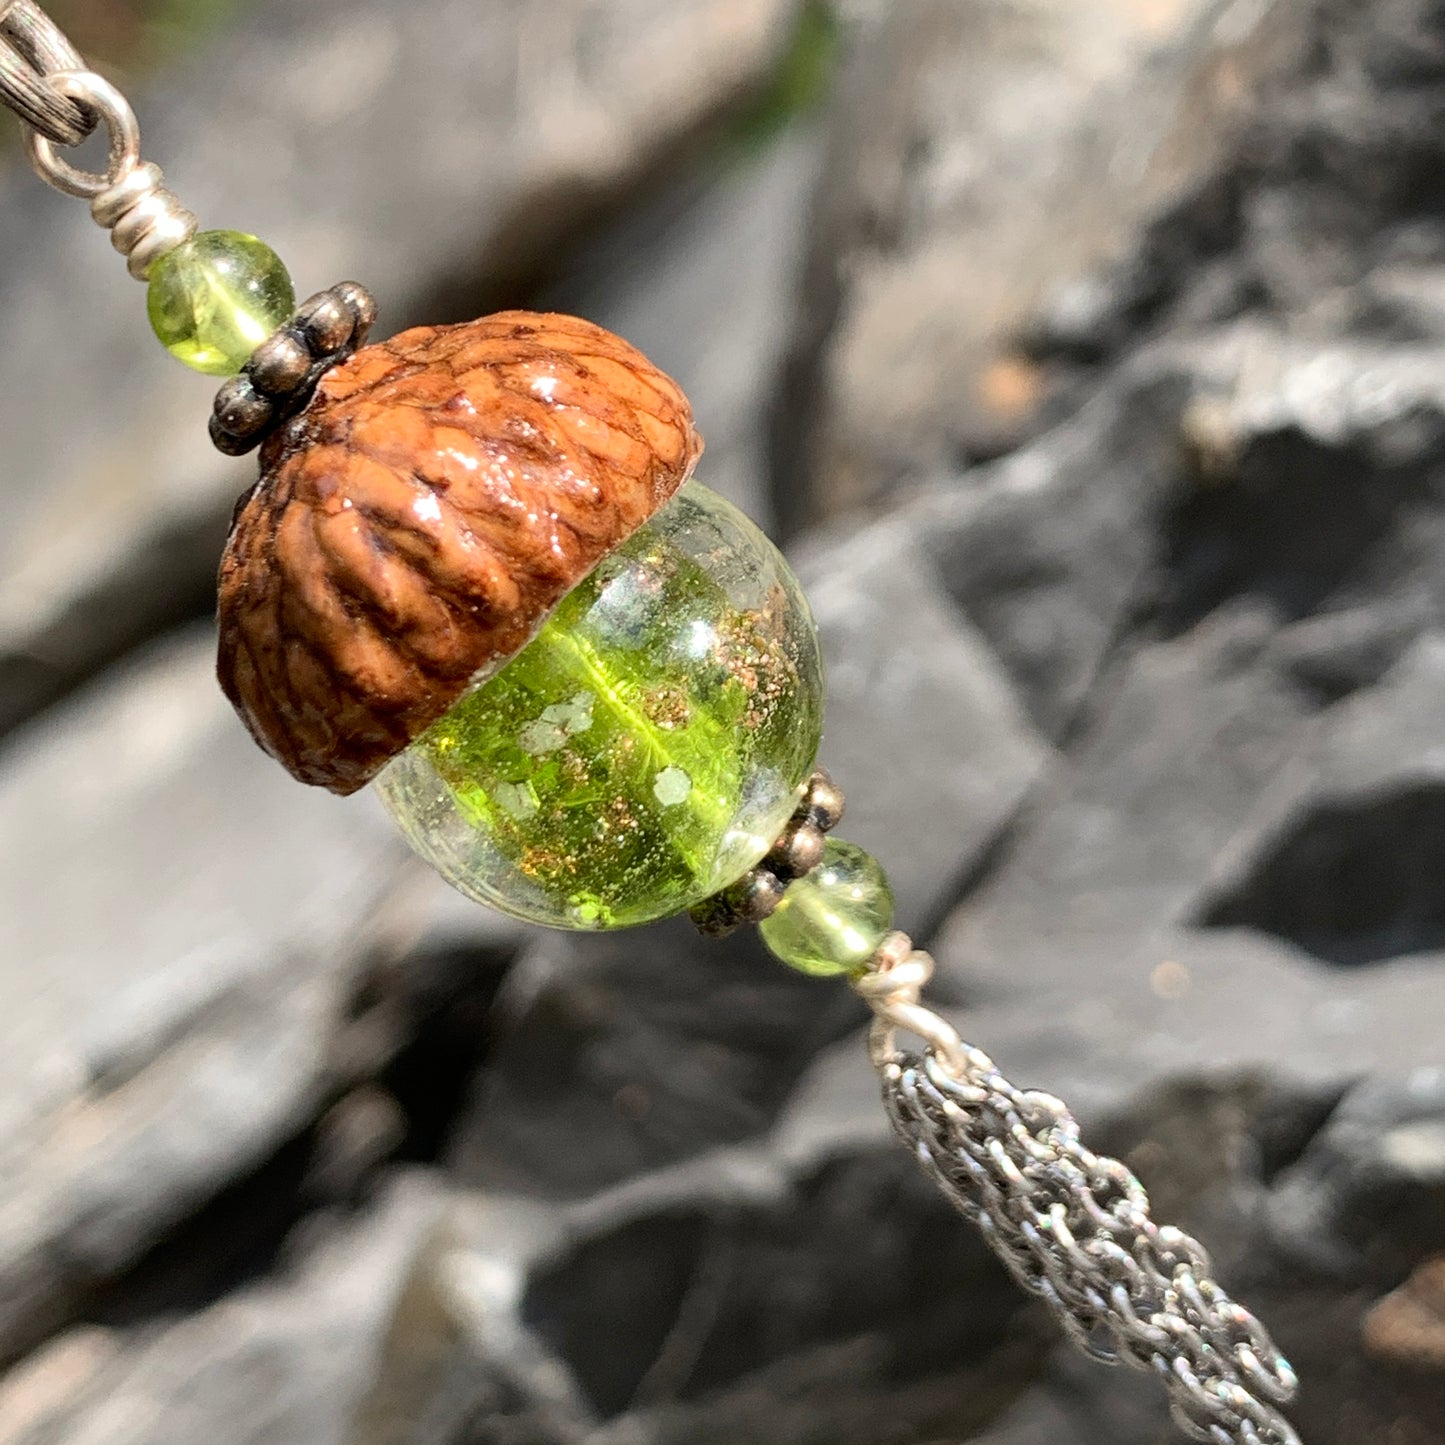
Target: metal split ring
column 98, row 96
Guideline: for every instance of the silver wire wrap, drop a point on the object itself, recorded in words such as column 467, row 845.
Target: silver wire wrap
column 1072, row 1226
column 44, row 81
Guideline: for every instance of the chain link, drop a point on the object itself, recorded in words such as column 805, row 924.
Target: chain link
column 32, row 49
column 1071, row 1226
column 100, row 98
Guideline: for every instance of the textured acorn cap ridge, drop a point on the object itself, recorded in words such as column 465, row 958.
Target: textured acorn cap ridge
column 414, row 526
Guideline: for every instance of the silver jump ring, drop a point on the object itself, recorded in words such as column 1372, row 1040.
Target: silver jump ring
column 101, row 98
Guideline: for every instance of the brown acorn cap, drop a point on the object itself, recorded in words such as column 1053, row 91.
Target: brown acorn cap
column 418, row 521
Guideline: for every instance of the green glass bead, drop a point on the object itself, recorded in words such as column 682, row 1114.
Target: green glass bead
column 215, row 299
column 832, row 919
column 644, row 750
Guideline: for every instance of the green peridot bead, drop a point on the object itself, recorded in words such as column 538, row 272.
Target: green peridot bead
column 644, row 750
column 215, row 299
column 832, row 919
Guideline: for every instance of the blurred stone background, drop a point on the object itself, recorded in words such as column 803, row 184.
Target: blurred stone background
column 1090, row 355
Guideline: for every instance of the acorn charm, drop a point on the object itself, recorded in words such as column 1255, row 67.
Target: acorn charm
column 471, row 569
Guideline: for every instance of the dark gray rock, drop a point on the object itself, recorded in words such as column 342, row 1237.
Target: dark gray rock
column 702, row 279
column 1342, row 862
column 616, row 1054
column 1226, row 884
column 189, row 946
column 747, row 1291
column 1049, row 551
column 988, row 160
column 285, row 1359
column 910, row 678
column 815, row 1283
column 1380, row 1155
column 1310, row 199
column 1077, row 1404
column 1106, row 944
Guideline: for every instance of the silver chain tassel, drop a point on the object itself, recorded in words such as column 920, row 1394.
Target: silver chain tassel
column 1072, row 1227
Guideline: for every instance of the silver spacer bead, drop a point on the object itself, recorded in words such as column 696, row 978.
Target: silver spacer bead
column 823, row 801
column 284, row 370
column 326, row 321
column 758, row 895
column 241, row 410
column 361, row 302
column 279, row 364
column 799, row 849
